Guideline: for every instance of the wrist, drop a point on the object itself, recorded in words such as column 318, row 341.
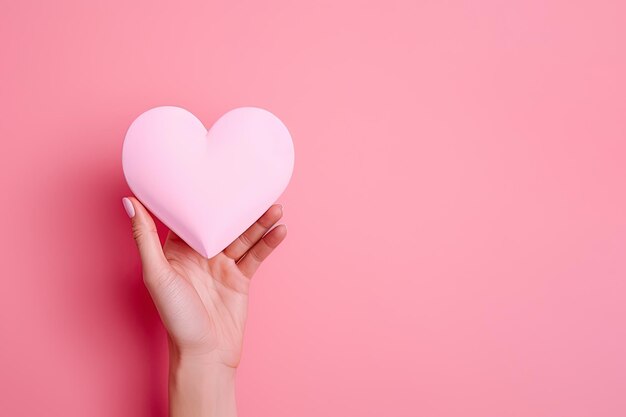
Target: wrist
column 200, row 386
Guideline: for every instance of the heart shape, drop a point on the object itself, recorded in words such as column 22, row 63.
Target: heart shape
column 207, row 186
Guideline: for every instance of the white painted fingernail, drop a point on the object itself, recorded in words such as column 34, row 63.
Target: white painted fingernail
column 128, row 206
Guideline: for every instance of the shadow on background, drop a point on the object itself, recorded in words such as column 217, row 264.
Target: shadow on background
column 113, row 333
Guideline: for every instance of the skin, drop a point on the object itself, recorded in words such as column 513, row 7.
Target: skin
column 203, row 304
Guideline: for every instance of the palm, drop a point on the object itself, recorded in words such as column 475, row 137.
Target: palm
column 212, row 305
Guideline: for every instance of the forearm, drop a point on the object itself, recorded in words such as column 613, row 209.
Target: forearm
column 200, row 387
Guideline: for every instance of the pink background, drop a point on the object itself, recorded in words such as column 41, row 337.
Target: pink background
column 457, row 216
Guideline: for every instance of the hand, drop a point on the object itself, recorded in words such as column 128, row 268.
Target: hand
column 202, row 302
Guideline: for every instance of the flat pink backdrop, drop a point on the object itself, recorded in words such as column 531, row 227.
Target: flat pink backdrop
column 457, row 215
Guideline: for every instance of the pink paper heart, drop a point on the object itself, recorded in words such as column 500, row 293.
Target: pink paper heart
column 207, row 186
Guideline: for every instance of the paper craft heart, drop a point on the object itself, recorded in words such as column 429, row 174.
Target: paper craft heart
column 207, row 186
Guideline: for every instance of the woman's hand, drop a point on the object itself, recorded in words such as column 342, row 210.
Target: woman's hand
column 203, row 305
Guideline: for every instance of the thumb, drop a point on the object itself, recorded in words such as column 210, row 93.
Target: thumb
column 146, row 237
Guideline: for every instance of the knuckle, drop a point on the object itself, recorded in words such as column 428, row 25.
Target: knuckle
column 140, row 231
column 271, row 240
column 255, row 255
column 245, row 240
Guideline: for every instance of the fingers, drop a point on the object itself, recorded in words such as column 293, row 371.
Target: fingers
column 261, row 250
column 255, row 232
column 145, row 234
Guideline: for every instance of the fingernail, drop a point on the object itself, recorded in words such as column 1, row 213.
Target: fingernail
column 128, row 206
